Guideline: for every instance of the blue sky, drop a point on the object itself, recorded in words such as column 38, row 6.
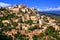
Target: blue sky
column 43, row 5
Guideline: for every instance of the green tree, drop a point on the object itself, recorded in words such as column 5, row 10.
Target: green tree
column 14, row 24
column 33, row 28
column 35, row 37
column 29, row 22
column 21, row 37
column 41, row 35
column 49, row 30
column 1, row 24
column 5, row 37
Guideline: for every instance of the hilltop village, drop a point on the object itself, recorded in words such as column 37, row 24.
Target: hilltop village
column 23, row 23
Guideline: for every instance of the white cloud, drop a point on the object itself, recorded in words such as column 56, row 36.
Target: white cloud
column 38, row 9
column 51, row 9
column 4, row 4
column 48, row 9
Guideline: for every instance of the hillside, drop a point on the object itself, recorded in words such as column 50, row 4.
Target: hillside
column 56, row 16
column 22, row 23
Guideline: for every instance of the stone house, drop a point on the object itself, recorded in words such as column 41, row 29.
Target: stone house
column 34, row 19
column 5, row 21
